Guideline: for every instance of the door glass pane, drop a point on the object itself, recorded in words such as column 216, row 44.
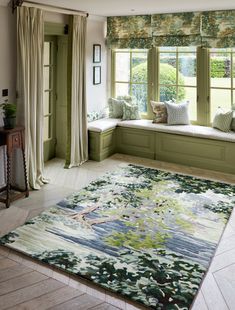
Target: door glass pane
column 220, row 98
column 46, row 100
column 220, row 67
column 122, row 67
column 189, row 93
column 122, row 89
column 46, row 53
column 46, row 134
column 139, row 67
column 168, row 93
column 167, row 68
column 187, row 68
column 139, row 94
column 46, row 78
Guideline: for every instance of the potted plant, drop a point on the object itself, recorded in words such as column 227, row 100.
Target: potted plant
column 9, row 119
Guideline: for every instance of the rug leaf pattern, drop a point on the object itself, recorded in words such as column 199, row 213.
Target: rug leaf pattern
column 140, row 232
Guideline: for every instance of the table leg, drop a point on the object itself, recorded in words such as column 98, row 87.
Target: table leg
column 8, row 187
column 25, row 175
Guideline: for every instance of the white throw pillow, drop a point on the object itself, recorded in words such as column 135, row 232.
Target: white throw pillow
column 177, row 113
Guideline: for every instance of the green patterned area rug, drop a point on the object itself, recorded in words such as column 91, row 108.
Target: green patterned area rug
column 143, row 233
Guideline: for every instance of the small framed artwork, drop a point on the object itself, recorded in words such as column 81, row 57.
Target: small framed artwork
column 96, row 53
column 96, row 75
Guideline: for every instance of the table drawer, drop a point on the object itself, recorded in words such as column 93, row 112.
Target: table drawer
column 14, row 140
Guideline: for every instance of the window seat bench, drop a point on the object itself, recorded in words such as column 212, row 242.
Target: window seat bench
column 191, row 145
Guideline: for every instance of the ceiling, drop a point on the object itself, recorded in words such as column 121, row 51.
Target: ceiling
column 135, row 7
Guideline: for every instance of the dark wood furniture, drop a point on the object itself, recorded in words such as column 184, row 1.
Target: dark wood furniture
column 13, row 139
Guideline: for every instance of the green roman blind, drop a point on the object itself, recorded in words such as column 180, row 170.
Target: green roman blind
column 218, row 29
column 129, row 31
column 209, row 29
column 176, row 29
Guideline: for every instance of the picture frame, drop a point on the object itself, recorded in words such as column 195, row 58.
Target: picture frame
column 96, row 75
column 96, row 53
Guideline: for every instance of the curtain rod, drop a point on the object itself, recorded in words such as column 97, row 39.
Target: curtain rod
column 47, row 7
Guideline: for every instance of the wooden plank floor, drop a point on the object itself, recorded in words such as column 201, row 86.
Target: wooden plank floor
column 25, row 284
column 22, row 288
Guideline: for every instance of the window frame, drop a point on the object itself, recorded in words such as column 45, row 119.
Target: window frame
column 130, row 82
column 231, row 53
column 203, row 88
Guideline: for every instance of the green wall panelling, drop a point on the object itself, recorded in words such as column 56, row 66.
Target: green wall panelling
column 185, row 150
column 136, row 142
column 202, row 153
column 102, row 144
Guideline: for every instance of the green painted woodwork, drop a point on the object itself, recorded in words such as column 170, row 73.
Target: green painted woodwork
column 135, row 142
column 69, row 90
column 191, row 151
column 203, row 100
column 55, row 32
column 54, row 29
column 61, row 103
column 102, row 144
column 197, row 152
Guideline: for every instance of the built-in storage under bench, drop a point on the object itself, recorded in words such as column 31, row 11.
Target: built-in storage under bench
column 196, row 146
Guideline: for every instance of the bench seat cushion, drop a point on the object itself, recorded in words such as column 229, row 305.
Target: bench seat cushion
column 186, row 130
column 103, row 124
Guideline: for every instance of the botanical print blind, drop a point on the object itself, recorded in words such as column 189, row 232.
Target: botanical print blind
column 209, row 29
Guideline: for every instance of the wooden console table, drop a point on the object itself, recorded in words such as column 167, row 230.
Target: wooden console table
column 13, row 139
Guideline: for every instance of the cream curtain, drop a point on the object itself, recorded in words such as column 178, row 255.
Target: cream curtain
column 77, row 151
column 30, row 41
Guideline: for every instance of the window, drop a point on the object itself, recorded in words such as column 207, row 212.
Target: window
column 130, row 76
column 205, row 77
column 222, row 79
column 178, row 76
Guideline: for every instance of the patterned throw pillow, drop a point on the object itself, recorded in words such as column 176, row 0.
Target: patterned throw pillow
column 177, row 113
column 223, row 120
column 160, row 111
column 115, row 108
column 130, row 112
column 233, row 123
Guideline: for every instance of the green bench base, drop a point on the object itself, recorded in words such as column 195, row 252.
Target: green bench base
column 191, row 151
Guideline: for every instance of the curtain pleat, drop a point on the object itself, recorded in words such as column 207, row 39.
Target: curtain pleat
column 77, row 149
column 30, row 42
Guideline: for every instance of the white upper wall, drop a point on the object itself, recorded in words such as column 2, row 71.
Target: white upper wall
column 134, row 7
column 96, row 94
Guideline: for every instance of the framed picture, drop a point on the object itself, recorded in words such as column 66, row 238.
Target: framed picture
column 96, row 75
column 96, row 53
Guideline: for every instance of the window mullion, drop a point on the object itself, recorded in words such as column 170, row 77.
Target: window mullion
column 177, row 73
column 203, row 86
